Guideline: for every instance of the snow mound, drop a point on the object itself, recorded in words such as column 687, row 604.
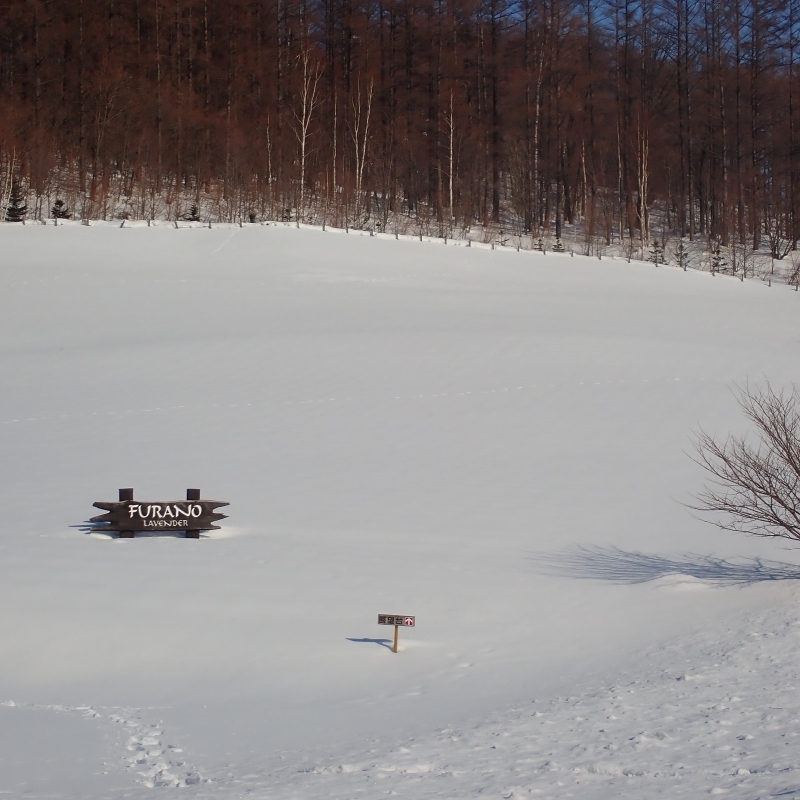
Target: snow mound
column 681, row 583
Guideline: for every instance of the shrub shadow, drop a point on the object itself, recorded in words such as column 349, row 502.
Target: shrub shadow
column 629, row 567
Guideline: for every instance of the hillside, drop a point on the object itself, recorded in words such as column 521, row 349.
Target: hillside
column 492, row 441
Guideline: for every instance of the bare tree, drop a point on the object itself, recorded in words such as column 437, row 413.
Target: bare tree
column 450, row 129
column 309, row 99
column 362, row 108
column 755, row 485
column 793, row 274
column 7, row 188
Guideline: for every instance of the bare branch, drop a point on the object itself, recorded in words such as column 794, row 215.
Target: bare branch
column 755, row 487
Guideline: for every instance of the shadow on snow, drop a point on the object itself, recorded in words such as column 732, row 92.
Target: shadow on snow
column 98, row 527
column 381, row 642
column 621, row 566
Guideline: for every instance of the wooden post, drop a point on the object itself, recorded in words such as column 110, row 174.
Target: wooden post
column 126, row 495
column 397, row 620
column 193, row 495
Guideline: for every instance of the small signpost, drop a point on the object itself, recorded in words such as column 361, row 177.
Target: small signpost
column 399, row 621
column 191, row 515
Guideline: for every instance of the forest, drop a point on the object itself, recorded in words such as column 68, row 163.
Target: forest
column 622, row 121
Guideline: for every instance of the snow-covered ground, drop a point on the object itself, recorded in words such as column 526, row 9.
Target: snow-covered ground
column 492, row 441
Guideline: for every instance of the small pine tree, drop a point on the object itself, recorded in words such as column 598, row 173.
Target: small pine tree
column 60, row 210
column 682, row 256
column 718, row 262
column 539, row 244
column 558, row 247
column 194, row 214
column 17, row 208
column 656, row 253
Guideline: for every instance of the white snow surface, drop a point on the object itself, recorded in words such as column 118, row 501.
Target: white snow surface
column 493, row 441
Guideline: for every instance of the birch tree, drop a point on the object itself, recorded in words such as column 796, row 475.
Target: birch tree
column 308, row 101
column 362, row 109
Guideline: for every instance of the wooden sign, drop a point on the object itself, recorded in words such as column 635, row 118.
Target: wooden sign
column 128, row 516
column 396, row 619
column 399, row 621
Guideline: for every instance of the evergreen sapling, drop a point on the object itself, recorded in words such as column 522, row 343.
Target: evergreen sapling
column 682, row 256
column 17, row 208
column 718, row 262
column 194, row 214
column 657, row 253
column 60, row 210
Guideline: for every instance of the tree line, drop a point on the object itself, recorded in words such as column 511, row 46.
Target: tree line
column 625, row 120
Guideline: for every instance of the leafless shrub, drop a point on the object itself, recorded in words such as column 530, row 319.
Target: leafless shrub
column 755, row 485
column 793, row 276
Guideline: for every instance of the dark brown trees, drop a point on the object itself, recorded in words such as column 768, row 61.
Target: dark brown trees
column 624, row 117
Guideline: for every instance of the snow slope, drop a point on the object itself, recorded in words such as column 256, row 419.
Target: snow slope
column 490, row 440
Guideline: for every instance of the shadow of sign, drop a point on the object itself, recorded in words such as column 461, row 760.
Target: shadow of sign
column 89, row 527
column 382, row 642
column 622, row 566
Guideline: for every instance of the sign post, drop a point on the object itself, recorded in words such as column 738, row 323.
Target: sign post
column 399, row 621
column 190, row 516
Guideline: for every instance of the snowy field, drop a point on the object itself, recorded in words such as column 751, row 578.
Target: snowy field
column 492, row 441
